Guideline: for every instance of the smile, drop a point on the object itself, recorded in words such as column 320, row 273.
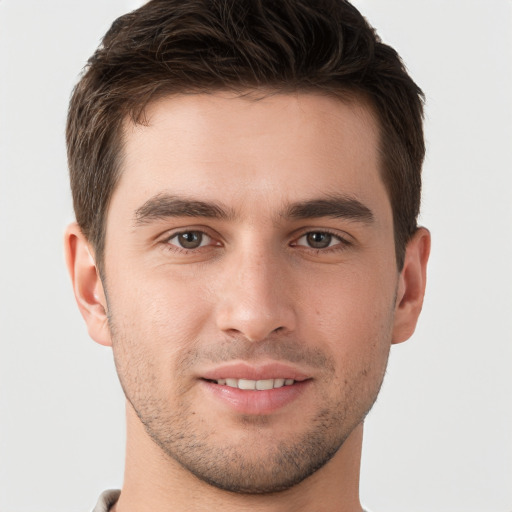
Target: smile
column 255, row 397
column 258, row 385
column 264, row 388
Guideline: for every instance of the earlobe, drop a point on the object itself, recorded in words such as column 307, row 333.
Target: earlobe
column 87, row 284
column 411, row 286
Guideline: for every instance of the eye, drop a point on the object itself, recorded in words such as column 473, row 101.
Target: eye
column 319, row 240
column 190, row 240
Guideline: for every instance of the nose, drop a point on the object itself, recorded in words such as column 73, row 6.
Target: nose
column 256, row 296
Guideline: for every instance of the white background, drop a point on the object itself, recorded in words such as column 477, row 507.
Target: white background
column 439, row 438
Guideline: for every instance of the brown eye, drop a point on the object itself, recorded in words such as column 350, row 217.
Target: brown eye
column 319, row 240
column 190, row 239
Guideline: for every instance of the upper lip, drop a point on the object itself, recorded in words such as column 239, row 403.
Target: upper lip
column 243, row 370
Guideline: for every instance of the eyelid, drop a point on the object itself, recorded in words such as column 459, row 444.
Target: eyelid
column 342, row 236
column 171, row 233
column 203, row 234
column 165, row 239
column 336, row 239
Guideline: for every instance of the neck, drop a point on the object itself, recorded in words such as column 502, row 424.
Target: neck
column 155, row 482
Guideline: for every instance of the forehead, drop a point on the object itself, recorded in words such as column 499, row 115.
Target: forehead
column 245, row 150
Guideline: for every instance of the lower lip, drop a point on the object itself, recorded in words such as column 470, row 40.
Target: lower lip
column 256, row 402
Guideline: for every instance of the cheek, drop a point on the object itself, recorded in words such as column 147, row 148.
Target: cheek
column 353, row 315
column 354, row 322
column 154, row 321
column 159, row 300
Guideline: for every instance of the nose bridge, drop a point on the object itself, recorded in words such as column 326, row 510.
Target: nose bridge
column 255, row 298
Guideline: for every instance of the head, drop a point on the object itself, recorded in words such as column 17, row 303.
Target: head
column 246, row 180
column 172, row 47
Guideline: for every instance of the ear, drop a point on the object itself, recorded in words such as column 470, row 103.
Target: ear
column 87, row 284
column 411, row 286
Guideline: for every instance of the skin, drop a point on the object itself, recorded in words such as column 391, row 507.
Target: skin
column 259, row 284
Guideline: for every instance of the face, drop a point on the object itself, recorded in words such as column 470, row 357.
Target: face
column 251, row 282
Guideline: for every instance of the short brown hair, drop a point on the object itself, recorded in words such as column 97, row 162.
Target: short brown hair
column 178, row 46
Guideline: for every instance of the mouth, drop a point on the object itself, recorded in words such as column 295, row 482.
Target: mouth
column 254, row 385
column 261, row 389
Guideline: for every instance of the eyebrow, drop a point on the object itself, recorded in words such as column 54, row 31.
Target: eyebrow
column 335, row 206
column 163, row 206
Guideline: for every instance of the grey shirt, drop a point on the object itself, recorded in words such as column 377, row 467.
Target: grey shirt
column 106, row 500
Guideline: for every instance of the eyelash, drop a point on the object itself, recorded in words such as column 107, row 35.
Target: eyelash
column 184, row 250
column 341, row 245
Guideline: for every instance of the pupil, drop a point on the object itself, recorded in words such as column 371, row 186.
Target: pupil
column 190, row 240
column 319, row 240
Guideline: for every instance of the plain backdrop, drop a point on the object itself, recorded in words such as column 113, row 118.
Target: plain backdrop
column 440, row 436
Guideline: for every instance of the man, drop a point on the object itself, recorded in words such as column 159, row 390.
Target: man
column 246, row 182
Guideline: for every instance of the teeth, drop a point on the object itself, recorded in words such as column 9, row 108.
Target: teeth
column 265, row 384
column 247, row 384
column 259, row 385
column 279, row 383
